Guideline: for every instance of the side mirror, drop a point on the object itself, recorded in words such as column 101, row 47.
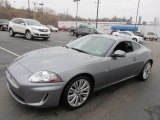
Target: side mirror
column 119, row 53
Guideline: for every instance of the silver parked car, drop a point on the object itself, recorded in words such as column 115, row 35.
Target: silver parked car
column 43, row 78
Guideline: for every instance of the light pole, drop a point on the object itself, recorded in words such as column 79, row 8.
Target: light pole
column 137, row 13
column 97, row 13
column 29, row 8
column 42, row 4
column 34, row 3
column 77, row 10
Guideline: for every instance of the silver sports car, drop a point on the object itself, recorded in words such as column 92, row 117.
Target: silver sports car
column 69, row 74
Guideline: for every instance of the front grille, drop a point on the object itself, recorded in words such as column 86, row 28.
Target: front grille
column 44, row 34
column 43, row 30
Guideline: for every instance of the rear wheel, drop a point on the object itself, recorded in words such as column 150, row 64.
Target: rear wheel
column 146, row 71
column 71, row 33
column 11, row 32
column 77, row 92
column 1, row 28
column 28, row 35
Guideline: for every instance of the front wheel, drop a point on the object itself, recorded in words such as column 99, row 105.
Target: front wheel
column 28, row 35
column 11, row 32
column 146, row 71
column 77, row 92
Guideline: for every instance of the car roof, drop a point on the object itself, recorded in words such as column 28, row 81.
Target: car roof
column 23, row 18
column 116, row 38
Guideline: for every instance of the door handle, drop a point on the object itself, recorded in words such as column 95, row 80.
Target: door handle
column 134, row 58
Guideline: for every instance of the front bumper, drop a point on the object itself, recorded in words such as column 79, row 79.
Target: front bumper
column 33, row 94
column 41, row 34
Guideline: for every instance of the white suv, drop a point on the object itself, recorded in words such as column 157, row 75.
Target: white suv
column 28, row 27
column 129, row 35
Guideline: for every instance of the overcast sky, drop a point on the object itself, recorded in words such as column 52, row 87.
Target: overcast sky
column 108, row 8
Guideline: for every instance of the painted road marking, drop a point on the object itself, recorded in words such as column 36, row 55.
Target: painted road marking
column 9, row 51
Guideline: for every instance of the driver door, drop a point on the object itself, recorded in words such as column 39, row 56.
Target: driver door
column 121, row 68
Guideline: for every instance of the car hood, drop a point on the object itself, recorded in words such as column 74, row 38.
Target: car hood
column 54, row 59
column 39, row 27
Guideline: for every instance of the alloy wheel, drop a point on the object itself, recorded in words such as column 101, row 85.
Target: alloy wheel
column 78, row 93
column 147, row 70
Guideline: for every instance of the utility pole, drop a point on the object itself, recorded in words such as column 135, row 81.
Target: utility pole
column 76, row 11
column 34, row 3
column 97, row 13
column 137, row 13
column 42, row 4
column 29, row 8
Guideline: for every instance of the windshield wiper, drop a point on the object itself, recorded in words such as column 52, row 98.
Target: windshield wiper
column 66, row 46
column 79, row 50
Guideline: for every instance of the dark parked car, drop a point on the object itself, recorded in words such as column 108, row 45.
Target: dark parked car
column 87, row 31
column 3, row 24
column 139, row 34
column 73, row 30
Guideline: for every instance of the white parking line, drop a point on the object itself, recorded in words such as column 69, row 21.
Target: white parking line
column 9, row 51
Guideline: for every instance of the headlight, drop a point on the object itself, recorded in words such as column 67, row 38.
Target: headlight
column 44, row 77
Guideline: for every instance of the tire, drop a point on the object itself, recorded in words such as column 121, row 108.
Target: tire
column 1, row 28
column 75, row 96
column 28, row 35
column 134, row 39
column 145, row 73
column 72, row 33
column 11, row 32
column 45, row 38
column 77, row 35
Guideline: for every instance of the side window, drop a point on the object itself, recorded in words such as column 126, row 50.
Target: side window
column 21, row 21
column 124, row 46
column 135, row 46
column 16, row 21
column 121, row 32
column 127, row 33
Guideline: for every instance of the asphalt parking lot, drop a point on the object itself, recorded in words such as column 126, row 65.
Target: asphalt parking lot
column 130, row 100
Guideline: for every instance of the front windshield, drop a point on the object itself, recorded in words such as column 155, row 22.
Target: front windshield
column 93, row 45
column 33, row 23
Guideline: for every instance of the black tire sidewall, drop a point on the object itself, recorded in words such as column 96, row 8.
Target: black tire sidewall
column 66, row 90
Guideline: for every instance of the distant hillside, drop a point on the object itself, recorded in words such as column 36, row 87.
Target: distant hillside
column 9, row 13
